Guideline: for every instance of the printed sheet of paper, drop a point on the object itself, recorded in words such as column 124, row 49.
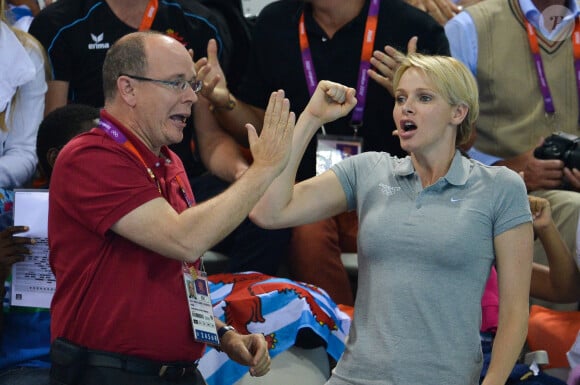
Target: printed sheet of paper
column 33, row 283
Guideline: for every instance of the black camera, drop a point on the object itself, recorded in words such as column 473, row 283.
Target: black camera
column 561, row 146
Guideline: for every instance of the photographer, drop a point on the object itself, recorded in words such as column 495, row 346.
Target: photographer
column 522, row 107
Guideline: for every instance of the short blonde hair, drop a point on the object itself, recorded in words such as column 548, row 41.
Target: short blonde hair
column 453, row 81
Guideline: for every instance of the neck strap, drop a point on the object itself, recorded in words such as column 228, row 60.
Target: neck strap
column 366, row 53
column 542, row 79
column 149, row 15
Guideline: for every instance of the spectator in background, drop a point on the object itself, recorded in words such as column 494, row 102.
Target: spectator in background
column 519, row 108
column 80, row 32
column 22, row 90
column 332, row 47
column 58, row 128
column 440, row 10
column 77, row 34
column 22, row 12
column 25, row 332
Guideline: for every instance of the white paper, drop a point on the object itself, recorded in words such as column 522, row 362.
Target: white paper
column 33, row 283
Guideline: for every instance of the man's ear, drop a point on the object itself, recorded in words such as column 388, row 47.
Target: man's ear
column 51, row 155
column 126, row 90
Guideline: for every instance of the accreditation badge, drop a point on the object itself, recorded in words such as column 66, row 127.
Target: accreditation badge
column 331, row 149
column 199, row 303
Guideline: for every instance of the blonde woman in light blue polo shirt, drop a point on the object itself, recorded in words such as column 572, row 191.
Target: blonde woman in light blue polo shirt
column 431, row 226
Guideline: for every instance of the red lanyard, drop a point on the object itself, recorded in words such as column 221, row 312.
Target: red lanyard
column 149, row 15
column 542, row 79
column 120, row 138
column 116, row 134
column 365, row 64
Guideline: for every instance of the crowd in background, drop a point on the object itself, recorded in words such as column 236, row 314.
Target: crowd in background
column 305, row 67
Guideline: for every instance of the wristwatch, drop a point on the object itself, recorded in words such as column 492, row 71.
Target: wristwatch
column 224, row 329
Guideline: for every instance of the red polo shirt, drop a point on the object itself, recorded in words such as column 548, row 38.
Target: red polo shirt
column 111, row 293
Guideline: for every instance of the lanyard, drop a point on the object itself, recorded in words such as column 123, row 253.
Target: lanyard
column 121, row 139
column 543, row 81
column 365, row 64
column 149, row 15
column 116, row 134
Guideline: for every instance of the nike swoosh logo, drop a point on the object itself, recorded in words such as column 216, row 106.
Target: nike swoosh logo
column 453, row 200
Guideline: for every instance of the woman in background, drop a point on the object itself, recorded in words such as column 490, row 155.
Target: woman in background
column 22, row 90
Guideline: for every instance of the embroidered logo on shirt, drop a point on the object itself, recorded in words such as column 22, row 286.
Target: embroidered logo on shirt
column 98, row 42
column 174, row 34
column 453, row 200
column 388, row 190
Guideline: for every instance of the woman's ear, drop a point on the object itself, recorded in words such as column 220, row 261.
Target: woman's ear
column 459, row 113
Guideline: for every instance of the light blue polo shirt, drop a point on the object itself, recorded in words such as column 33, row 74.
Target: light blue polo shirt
column 424, row 257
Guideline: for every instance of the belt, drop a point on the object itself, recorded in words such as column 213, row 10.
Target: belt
column 170, row 370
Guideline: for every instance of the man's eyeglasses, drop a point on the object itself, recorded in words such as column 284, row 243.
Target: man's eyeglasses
column 179, row 85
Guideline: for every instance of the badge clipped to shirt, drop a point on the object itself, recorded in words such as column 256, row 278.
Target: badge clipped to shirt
column 331, row 149
column 199, row 303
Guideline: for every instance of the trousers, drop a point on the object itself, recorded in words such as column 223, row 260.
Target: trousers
column 76, row 365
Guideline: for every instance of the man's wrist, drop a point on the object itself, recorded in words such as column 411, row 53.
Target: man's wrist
column 225, row 329
column 222, row 332
column 229, row 106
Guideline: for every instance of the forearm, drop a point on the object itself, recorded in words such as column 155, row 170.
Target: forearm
column 211, row 221
column 185, row 236
column 224, row 158
column 514, row 250
column 273, row 208
column 234, row 119
column 318, row 197
column 509, row 340
column 219, row 152
column 564, row 276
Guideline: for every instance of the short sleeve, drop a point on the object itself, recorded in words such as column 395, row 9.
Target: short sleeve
column 113, row 185
column 350, row 172
column 511, row 207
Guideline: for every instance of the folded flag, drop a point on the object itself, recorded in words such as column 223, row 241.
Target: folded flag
column 279, row 308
